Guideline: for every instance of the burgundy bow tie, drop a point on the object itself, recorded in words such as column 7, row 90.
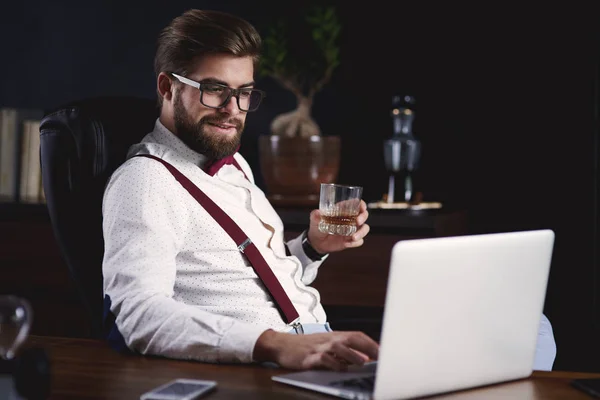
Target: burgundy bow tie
column 213, row 166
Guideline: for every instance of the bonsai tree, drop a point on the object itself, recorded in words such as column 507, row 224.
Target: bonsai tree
column 302, row 64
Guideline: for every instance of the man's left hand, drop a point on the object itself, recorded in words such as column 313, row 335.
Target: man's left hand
column 324, row 243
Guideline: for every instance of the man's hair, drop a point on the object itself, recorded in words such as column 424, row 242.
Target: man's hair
column 199, row 32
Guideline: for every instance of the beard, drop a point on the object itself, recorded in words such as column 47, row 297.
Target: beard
column 197, row 138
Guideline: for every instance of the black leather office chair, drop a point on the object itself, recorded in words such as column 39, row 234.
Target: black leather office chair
column 82, row 143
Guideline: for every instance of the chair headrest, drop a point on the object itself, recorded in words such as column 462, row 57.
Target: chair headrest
column 99, row 131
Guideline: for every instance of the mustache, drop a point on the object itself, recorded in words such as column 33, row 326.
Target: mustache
column 217, row 121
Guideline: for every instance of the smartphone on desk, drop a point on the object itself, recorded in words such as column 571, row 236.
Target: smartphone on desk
column 589, row 386
column 180, row 389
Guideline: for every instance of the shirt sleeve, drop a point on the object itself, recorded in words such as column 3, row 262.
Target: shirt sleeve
column 310, row 268
column 143, row 230
column 545, row 353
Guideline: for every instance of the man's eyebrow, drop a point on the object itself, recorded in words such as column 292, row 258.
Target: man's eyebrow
column 215, row 80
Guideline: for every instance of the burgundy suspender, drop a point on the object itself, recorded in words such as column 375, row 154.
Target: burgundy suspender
column 244, row 244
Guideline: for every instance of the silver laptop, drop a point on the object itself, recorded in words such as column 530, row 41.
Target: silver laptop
column 460, row 312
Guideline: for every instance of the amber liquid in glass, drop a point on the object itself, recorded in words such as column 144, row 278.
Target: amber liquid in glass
column 344, row 225
column 340, row 219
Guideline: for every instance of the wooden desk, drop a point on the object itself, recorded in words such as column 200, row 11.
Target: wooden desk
column 89, row 369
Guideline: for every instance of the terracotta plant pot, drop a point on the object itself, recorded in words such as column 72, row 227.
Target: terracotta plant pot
column 293, row 168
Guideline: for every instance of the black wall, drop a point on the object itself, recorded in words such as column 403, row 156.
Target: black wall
column 506, row 108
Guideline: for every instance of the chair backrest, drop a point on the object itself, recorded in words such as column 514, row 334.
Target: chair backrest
column 81, row 144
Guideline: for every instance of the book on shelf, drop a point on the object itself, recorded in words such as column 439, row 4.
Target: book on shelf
column 8, row 153
column 31, row 172
column 13, row 128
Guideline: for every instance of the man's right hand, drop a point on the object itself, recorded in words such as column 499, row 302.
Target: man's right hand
column 331, row 350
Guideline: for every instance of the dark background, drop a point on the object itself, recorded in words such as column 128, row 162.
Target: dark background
column 506, row 109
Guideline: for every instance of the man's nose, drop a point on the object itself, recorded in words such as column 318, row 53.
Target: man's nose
column 231, row 107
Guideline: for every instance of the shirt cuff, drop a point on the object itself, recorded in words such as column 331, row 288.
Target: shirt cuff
column 295, row 246
column 237, row 345
column 309, row 266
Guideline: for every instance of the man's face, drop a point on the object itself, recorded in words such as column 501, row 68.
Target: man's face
column 215, row 133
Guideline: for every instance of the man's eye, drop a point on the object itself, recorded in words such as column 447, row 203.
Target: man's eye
column 213, row 89
column 245, row 93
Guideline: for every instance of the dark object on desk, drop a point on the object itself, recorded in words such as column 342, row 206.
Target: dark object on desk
column 81, row 144
column 31, row 373
column 589, row 386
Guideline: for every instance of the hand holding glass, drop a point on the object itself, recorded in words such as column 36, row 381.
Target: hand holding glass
column 339, row 206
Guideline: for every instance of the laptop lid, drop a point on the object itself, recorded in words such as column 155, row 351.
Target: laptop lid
column 462, row 312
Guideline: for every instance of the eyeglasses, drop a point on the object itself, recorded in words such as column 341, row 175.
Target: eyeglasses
column 215, row 95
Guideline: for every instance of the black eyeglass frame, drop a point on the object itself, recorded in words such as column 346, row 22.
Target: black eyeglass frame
column 232, row 92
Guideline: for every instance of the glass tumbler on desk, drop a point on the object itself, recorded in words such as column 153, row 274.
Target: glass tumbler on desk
column 339, row 206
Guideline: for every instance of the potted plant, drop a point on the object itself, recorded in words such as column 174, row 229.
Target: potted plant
column 296, row 157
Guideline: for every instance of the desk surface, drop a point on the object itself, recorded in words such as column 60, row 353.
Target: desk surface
column 89, row 369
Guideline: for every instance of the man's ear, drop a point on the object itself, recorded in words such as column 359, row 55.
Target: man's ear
column 164, row 86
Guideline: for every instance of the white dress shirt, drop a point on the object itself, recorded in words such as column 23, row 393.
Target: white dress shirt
column 178, row 285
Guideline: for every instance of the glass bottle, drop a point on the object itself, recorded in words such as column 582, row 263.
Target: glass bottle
column 402, row 151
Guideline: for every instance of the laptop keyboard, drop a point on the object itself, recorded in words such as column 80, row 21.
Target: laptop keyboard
column 364, row 383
